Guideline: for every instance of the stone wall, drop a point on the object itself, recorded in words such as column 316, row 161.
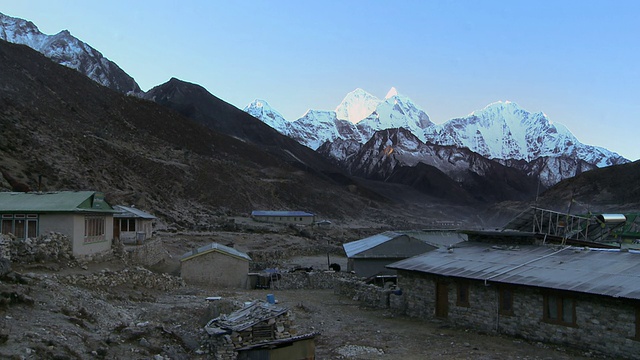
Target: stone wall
column 138, row 276
column 367, row 294
column 309, row 280
column 603, row 324
column 47, row 247
column 149, row 253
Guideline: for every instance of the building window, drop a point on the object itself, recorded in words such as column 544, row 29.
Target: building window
column 463, row 294
column 94, row 229
column 20, row 225
column 506, row 301
column 127, row 224
column 559, row 309
column 637, row 335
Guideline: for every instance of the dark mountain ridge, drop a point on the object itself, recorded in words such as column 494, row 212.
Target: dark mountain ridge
column 75, row 134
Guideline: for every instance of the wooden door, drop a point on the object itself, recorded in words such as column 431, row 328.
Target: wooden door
column 442, row 299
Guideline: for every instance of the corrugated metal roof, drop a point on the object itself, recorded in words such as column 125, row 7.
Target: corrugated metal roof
column 437, row 238
column 358, row 246
column 593, row 271
column 214, row 247
column 244, row 318
column 61, row 201
column 131, row 212
column 280, row 213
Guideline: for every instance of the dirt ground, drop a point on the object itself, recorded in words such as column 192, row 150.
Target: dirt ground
column 48, row 312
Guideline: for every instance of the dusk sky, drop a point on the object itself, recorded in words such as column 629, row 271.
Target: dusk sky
column 576, row 61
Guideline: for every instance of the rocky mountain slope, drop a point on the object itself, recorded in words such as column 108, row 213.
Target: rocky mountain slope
column 196, row 103
column 74, row 134
column 69, row 51
column 396, row 155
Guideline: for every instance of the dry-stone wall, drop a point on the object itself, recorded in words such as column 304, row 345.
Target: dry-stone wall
column 46, row 247
column 149, row 253
column 139, row 277
column 367, row 294
column 309, row 280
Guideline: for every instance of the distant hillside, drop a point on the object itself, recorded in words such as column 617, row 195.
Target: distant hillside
column 75, row 134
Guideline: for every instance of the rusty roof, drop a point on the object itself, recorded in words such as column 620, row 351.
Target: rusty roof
column 607, row 272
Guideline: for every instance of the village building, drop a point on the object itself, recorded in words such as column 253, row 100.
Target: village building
column 215, row 265
column 576, row 296
column 84, row 216
column 284, row 217
column 132, row 225
column 369, row 256
column 260, row 330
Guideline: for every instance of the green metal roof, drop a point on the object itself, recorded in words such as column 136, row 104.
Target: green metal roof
column 61, row 201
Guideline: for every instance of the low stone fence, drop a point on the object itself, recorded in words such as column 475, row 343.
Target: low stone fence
column 367, row 294
column 46, row 247
column 139, row 277
column 150, row 252
column 309, row 280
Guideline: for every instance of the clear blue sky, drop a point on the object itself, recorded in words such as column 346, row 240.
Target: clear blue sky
column 577, row 61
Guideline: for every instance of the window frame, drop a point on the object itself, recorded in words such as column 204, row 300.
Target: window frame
column 94, row 229
column 22, row 226
column 462, row 294
column 503, row 299
column 560, row 304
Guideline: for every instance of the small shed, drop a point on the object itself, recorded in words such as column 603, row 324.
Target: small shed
column 215, row 265
column 284, row 217
column 132, row 225
column 259, row 330
column 369, row 256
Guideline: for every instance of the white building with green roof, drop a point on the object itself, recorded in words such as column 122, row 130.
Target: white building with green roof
column 84, row 216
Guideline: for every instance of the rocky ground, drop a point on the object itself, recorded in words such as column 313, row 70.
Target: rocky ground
column 114, row 310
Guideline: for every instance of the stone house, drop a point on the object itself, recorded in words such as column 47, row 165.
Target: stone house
column 369, row 256
column 576, row 296
column 259, row 330
column 132, row 225
column 215, row 265
column 84, row 216
column 284, row 217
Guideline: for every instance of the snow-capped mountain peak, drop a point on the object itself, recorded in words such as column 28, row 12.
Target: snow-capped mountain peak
column 356, row 106
column 262, row 110
column 69, row 51
column 392, row 92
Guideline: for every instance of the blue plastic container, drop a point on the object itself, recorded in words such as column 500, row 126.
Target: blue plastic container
column 271, row 299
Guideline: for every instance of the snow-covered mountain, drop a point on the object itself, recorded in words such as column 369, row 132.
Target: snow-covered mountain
column 502, row 131
column 505, row 131
column 358, row 117
column 67, row 50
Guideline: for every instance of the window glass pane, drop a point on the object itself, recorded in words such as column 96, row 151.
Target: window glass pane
column 463, row 296
column 132, row 224
column 552, row 307
column 32, row 228
column 19, row 229
column 507, row 300
column 567, row 310
column 7, row 226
